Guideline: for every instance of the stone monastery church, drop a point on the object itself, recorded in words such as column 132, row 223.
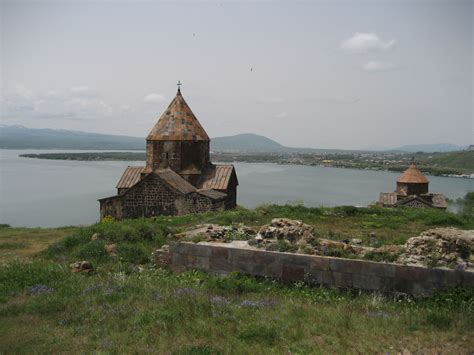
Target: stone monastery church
column 412, row 191
column 178, row 178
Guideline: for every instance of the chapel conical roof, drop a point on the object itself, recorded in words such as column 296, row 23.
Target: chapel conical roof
column 178, row 123
column 412, row 176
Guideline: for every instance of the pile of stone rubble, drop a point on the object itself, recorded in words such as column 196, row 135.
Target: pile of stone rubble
column 448, row 247
column 214, row 232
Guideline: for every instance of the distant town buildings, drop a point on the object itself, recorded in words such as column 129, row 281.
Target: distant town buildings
column 412, row 191
column 178, row 178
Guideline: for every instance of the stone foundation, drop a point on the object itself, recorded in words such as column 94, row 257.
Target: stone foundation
column 223, row 258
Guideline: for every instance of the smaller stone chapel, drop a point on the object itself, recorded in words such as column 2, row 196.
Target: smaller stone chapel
column 412, row 191
column 178, row 178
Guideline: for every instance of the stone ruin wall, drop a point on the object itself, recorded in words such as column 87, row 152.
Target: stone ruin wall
column 223, row 258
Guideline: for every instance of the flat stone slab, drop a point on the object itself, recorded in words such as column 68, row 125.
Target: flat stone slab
column 223, row 258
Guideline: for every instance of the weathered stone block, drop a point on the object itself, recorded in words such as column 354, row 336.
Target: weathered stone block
column 342, row 279
column 318, row 263
column 220, row 252
column 198, row 262
column 192, row 249
column 366, row 282
column 292, row 273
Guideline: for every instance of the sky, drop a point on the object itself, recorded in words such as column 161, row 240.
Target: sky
column 321, row 74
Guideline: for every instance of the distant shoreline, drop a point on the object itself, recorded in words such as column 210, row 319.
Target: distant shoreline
column 275, row 158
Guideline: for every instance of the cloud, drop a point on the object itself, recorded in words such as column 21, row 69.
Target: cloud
column 365, row 42
column 270, row 100
column 154, row 98
column 374, row 66
column 80, row 104
column 281, row 115
column 83, row 91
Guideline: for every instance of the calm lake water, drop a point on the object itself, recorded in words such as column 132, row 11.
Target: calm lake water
column 47, row 193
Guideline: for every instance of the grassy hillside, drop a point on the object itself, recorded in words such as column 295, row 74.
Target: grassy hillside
column 463, row 161
column 127, row 305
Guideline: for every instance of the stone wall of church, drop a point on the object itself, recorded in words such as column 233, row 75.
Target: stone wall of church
column 111, row 207
column 177, row 155
column 196, row 203
column 150, row 198
column 412, row 188
column 153, row 197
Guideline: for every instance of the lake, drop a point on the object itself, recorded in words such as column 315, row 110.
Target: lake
column 51, row 193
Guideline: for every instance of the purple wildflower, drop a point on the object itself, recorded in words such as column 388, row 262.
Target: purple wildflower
column 91, row 289
column 39, row 289
column 113, row 289
column 219, row 300
column 157, row 296
column 185, row 291
column 258, row 304
column 249, row 303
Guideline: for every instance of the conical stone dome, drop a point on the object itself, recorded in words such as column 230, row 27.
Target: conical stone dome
column 412, row 182
column 178, row 123
column 412, row 176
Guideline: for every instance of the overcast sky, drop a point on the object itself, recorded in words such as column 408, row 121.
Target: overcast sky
column 335, row 74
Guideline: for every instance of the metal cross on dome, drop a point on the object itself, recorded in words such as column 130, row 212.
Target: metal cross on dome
column 179, row 84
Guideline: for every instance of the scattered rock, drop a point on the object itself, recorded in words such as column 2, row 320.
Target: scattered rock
column 289, row 229
column 96, row 236
column 39, row 289
column 163, row 256
column 373, row 241
column 440, row 247
column 355, row 241
column 82, row 266
column 216, row 233
column 111, row 249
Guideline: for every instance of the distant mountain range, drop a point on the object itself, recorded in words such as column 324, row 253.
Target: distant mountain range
column 20, row 137
column 246, row 142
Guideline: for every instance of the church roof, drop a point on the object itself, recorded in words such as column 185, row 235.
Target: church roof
column 412, row 176
column 175, row 181
column 217, row 177
column 178, row 123
column 130, row 177
column 213, row 194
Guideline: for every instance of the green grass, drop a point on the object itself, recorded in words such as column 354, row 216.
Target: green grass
column 127, row 305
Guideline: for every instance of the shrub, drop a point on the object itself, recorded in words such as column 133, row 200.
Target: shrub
column 92, row 250
column 439, row 320
column 135, row 254
column 265, row 333
column 17, row 275
column 346, row 211
column 444, row 219
column 236, row 282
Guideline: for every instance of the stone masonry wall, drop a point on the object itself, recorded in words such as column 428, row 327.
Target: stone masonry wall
column 222, row 258
column 150, row 198
column 196, row 203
